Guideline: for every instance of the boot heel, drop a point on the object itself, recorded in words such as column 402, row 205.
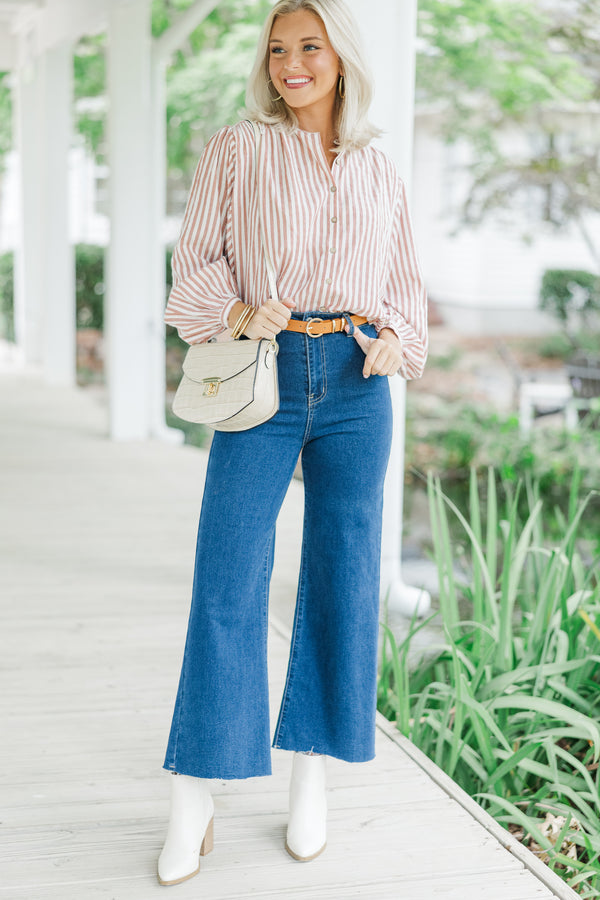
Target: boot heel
column 209, row 839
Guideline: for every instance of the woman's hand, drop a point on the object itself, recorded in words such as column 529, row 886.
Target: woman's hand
column 383, row 353
column 268, row 320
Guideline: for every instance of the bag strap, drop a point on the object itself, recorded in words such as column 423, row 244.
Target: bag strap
column 258, row 132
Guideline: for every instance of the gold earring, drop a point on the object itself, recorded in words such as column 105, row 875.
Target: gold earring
column 274, row 99
column 342, row 87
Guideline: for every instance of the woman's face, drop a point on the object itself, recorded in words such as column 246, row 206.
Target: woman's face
column 303, row 65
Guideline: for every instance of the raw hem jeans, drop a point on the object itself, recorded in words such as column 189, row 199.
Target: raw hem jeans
column 341, row 424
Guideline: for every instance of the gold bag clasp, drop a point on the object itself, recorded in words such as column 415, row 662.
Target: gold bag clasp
column 211, row 387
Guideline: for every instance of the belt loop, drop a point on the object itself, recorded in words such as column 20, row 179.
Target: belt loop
column 350, row 323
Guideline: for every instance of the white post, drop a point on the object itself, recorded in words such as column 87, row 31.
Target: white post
column 157, row 300
column 58, row 264
column 163, row 47
column 158, row 186
column 388, row 30
column 132, row 206
column 28, row 119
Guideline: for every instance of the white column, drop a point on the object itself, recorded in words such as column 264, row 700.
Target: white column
column 159, row 181
column 388, row 30
column 131, row 265
column 59, row 325
column 163, row 47
column 28, row 119
column 157, row 299
column 44, row 270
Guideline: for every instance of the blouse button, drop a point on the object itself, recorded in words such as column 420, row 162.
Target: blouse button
column 333, row 249
column 334, row 219
column 328, row 281
column 333, row 189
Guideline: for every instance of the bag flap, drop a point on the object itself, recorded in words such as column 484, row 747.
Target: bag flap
column 220, row 360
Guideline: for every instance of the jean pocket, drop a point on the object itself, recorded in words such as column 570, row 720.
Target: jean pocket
column 368, row 330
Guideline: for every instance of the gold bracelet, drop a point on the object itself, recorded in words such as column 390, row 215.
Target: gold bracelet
column 234, row 330
column 247, row 320
column 241, row 322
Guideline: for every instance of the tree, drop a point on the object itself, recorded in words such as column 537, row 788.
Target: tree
column 5, row 117
column 89, row 89
column 497, row 65
column 205, row 80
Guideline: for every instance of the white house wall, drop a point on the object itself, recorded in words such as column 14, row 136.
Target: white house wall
column 7, row 50
column 87, row 225
column 9, row 203
column 484, row 279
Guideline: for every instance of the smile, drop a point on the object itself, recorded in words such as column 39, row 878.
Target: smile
column 296, row 82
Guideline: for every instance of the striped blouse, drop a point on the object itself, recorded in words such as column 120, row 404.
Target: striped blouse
column 340, row 239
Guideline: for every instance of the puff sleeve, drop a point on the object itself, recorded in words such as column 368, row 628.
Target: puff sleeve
column 405, row 299
column 204, row 288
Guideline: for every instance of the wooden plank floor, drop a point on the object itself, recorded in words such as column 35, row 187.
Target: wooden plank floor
column 96, row 546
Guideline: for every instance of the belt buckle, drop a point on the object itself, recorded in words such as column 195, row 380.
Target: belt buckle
column 308, row 326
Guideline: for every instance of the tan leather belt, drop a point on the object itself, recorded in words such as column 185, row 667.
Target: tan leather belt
column 317, row 327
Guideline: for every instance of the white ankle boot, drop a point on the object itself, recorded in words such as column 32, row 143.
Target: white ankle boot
column 307, row 827
column 190, row 833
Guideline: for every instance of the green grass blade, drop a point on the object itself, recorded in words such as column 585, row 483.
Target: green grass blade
column 586, row 726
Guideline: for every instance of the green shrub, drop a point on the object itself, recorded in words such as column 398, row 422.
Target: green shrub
column 89, row 286
column 567, row 292
column 464, row 436
column 509, row 703
column 7, row 325
column 555, row 346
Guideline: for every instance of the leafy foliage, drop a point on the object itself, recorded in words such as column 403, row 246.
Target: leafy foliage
column 206, row 81
column 5, row 116
column 89, row 285
column 89, row 67
column 509, row 704
column 569, row 293
column 499, row 67
column 207, row 93
column 489, row 59
column 7, row 325
column 469, row 436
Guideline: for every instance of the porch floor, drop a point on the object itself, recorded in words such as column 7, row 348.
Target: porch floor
column 97, row 546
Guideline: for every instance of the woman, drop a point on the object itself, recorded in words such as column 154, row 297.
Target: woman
column 338, row 232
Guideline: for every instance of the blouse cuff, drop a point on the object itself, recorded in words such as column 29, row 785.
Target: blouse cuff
column 226, row 310
column 198, row 326
column 393, row 322
column 414, row 353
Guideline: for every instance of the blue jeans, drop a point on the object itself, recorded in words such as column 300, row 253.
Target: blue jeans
column 341, row 423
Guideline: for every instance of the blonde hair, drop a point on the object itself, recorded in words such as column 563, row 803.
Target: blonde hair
column 353, row 130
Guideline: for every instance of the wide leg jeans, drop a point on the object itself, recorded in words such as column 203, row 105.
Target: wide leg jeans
column 340, row 423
